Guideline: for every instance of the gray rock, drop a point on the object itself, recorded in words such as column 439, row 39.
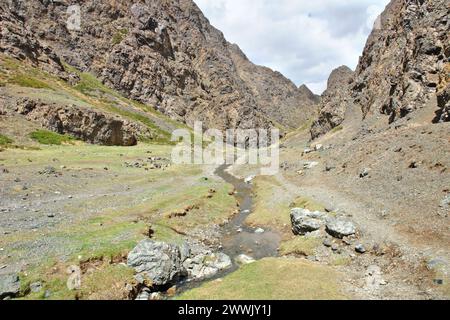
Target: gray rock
column 205, row 266
column 364, row 173
column 144, row 295
column 36, row 287
column 436, row 264
column 360, row 249
column 259, row 231
column 9, row 286
column 74, row 280
column 445, row 203
column 244, row 259
column 160, row 262
column 310, row 164
column 306, row 225
column 327, row 243
column 340, row 228
column 304, row 221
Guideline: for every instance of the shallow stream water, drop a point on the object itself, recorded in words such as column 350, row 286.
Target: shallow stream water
column 237, row 237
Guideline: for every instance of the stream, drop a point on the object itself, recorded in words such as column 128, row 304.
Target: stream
column 237, row 237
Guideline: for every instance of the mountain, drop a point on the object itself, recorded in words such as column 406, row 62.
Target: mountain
column 163, row 54
column 403, row 73
column 276, row 96
column 333, row 101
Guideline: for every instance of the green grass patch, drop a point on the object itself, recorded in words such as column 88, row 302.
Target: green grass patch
column 4, row 140
column 273, row 279
column 337, row 129
column 50, row 138
column 29, row 82
column 119, row 36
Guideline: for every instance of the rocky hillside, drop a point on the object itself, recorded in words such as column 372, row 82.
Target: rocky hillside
column 403, row 70
column 277, row 97
column 334, row 101
column 160, row 53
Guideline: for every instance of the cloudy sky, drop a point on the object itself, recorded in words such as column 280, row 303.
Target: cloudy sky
column 305, row 40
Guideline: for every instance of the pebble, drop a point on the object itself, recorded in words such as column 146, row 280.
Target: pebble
column 327, row 243
column 360, row 249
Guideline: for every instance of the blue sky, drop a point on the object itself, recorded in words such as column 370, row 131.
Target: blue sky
column 303, row 39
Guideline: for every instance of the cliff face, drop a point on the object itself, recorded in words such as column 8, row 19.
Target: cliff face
column 161, row 53
column 334, row 101
column 404, row 66
column 406, row 61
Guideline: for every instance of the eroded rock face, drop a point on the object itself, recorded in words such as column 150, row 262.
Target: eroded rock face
column 82, row 123
column 161, row 53
column 17, row 40
column 405, row 65
column 405, row 60
column 334, row 101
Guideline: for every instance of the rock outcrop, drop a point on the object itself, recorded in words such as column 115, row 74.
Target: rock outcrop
column 404, row 66
column 333, row 102
column 17, row 40
column 161, row 53
column 85, row 124
column 405, row 61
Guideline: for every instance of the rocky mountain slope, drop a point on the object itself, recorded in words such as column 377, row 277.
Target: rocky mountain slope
column 333, row 102
column 160, row 53
column 277, row 97
column 403, row 72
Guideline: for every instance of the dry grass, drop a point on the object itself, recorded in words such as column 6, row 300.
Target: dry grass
column 300, row 246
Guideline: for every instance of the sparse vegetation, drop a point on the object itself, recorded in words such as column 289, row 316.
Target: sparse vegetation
column 300, row 246
column 119, row 36
column 4, row 140
column 337, row 129
column 28, row 81
column 306, row 203
column 50, row 138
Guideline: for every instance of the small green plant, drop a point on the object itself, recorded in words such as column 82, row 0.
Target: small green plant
column 336, row 129
column 119, row 36
column 4, row 140
column 50, row 138
column 29, row 82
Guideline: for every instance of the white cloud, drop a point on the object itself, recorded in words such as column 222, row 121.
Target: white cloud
column 305, row 40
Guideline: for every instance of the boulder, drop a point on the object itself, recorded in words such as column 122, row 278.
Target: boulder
column 202, row 267
column 340, row 228
column 304, row 221
column 9, row 286
column 160, row 262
